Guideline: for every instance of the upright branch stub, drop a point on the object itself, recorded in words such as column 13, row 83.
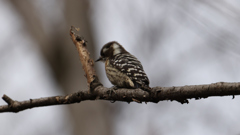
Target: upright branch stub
column 85, row 59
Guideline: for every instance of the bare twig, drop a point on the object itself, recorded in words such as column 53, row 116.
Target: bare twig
column 85, row 59
column 7, row 99
column 129, row 95
column 98, row 92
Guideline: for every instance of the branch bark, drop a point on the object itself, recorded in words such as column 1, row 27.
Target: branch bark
column 85, row 59
column 181, row 94
column 98, row 92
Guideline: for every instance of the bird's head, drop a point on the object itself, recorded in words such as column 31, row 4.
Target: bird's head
column 109, row 50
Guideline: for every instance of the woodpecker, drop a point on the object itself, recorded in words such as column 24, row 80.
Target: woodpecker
column 122, row 68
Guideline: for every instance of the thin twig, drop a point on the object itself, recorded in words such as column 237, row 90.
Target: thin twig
column 98, row 92
column 7, row 99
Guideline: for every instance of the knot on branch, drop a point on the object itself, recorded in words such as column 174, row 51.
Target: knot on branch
column 95, row 83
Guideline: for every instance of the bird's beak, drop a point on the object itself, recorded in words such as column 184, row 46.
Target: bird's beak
column 99, row 59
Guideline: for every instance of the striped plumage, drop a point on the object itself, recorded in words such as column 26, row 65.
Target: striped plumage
column 123, row 69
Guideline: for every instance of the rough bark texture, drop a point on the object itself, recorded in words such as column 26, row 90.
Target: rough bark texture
column 60, row 56
column 98, row 92
column 180, row 94
column 85, row 59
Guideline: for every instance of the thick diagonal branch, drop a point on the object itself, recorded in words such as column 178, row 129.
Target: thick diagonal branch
column 85, row 59
column 98, row 92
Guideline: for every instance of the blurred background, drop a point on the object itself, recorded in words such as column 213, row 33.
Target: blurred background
column 178, row 42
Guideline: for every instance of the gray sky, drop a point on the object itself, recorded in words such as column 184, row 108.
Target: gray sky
column 178, row 42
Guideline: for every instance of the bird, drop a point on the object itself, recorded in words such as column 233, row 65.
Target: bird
column 123, row 69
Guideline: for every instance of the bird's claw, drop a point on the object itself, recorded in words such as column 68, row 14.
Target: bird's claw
column 114, row 87
column 111, row 91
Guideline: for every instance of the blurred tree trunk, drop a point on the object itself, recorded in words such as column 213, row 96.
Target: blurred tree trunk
column 88, row 118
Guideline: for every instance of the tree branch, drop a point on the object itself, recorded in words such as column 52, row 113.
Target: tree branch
column 128, row 95
column 98, row 92
column 85, row 59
